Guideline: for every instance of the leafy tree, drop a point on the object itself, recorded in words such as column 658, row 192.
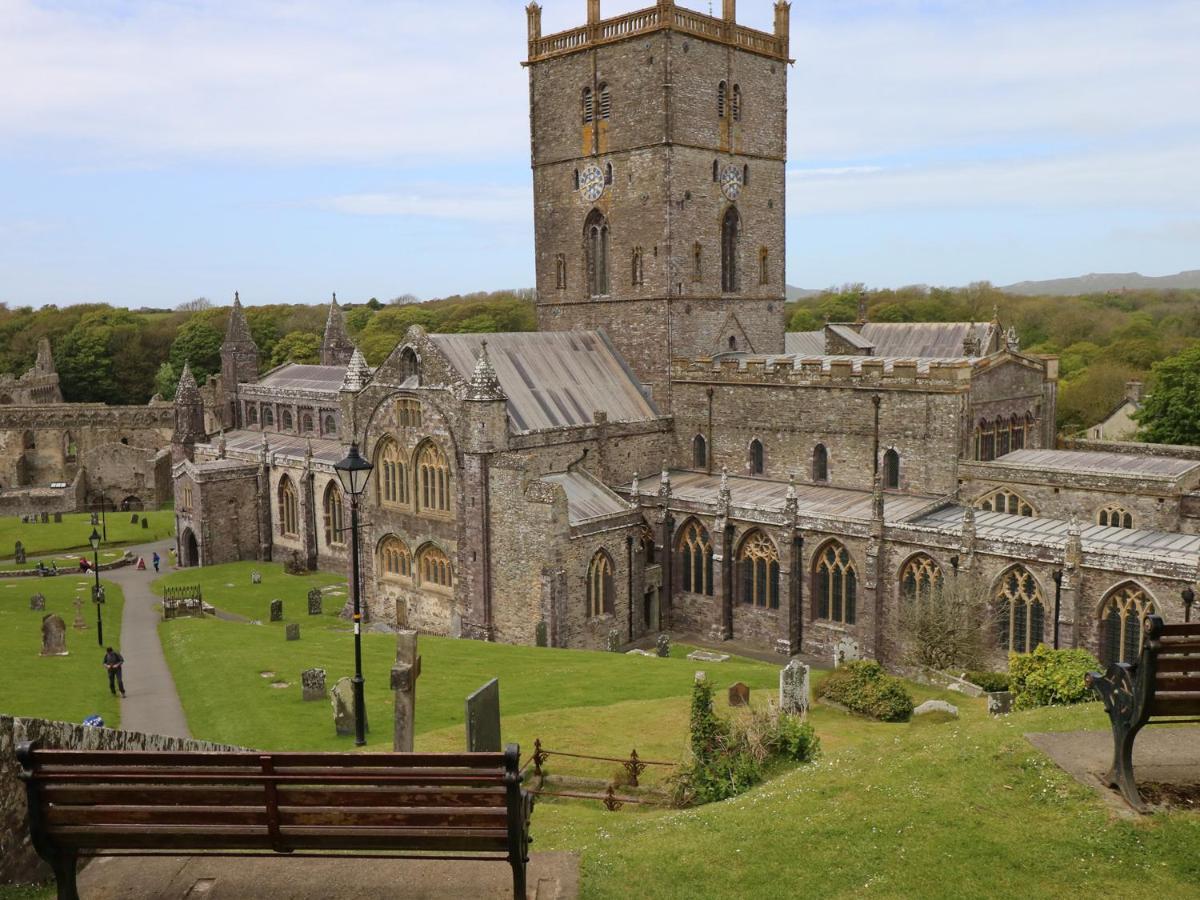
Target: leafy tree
column 1094, row 394
column 101, row 359
column 803, row 320
column 1171, row 412
column 198, row 343
column 166, row 380
column 297, row 347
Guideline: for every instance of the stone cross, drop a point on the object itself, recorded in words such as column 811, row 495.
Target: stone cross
column 404, row 682
column 794, row 688
column 276, row 610
column 19, row 554
column 37, row 603
column 54, row 636
column 313, row 683
column 79, row 624
column 314, row 602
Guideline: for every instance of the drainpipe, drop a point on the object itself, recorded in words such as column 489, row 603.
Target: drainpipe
column 1058, row 577
column 708, row 435
column 629, row 572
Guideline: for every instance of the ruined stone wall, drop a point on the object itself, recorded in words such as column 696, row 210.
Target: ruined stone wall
column 18, row 861
column 124, row 474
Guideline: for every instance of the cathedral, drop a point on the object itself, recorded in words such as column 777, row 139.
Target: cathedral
column 661, row 456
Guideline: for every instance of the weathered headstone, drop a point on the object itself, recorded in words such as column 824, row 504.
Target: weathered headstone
column 342, row 697
column 54, row 636
column 845, row 650
column 45, row 518
column 707, row 656
column 95, row 519
column 314, row 602
column 483, row 719
column 294, row 564
column 276, row 610
column 935, row 706
column 58, row 517
column 292, row 631
column 19, row 553
column 999, row 702
column 739, row 694
column 313, row 683
column 133, row 519
column 145, row 522
column 37, row 603
column 613, row 644
column 662, row 646
column 79, row 624
column 256, row 577
column 404, row 682
column 794, row 691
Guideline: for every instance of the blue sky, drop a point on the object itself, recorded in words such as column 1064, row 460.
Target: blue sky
column 152, row 152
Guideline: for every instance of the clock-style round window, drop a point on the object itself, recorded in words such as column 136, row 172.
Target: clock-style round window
column 591, row 183
column 731, row 182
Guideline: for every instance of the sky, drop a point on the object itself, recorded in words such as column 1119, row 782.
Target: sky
column 156, row 151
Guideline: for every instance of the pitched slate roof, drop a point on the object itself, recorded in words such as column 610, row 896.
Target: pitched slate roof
column 245, row 442
column 1099, row 463
column 901, row 339
column 587, row 498
column 300, row 377
column 554, row 379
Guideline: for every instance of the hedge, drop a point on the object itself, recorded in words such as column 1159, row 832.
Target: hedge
column 863, row 687
column 1048, row 677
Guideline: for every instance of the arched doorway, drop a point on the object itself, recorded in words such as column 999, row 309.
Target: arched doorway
column 189, row 550
column 132, row 503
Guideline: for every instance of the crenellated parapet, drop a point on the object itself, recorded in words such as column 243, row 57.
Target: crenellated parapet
column 828, row 371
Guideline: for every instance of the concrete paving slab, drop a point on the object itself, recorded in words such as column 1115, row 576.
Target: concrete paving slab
column 552, row 876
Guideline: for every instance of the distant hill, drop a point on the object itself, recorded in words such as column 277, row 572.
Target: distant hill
column 795, row 293
column 1099, row 283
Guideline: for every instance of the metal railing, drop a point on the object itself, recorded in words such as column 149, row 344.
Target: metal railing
column 633, row 764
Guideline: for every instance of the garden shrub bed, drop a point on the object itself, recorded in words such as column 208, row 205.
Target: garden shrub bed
column 1048, row 677
column 863, row 687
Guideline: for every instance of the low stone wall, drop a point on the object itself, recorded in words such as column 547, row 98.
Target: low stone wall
column 127, row 560
column 18, row 861
column 1176, row 451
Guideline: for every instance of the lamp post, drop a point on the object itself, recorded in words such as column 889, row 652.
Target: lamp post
column 1189, row 597
column 353, row 472
column 97, row 591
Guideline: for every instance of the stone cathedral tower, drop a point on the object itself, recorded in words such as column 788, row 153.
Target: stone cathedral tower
column 239, row 364
column 659, row 140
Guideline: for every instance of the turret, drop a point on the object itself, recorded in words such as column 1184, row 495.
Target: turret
column 486, row 407
column 336, row 346
column 189, row 417
column 239, row 364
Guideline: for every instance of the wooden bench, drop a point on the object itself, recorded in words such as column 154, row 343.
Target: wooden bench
column 1163, row 686
column 392, row 805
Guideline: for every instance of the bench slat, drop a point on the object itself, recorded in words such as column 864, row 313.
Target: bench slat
column 150, row 776
column 1178, row 663
column 1169, row 704
column 281, row 760
column 1180, row 645
column 1184, row 629
column 103, row 818
column 185, row 794
column 1177, row 683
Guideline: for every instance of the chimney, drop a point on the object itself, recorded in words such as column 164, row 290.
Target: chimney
column 533, row 13
column 729, row 11
column 1133, row 390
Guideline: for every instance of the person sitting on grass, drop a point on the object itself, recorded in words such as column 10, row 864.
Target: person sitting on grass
column 113, row 662
column 84, row 565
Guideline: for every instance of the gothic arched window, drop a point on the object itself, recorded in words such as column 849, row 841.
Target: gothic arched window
column 1017, row 427
column 696, row 559
column 756, row 457
column 395, row 559
column 434, row 568
column 289, row 507
column 600, row 584
column 306, row 423
column 1121, row 616
column 595, row 240
column 587, row 105
column 646, row 542
column 1006, row 501
column 720, row 100
column 334, row 508
column 285, row 419
column 1020, row 611
column 433, row 478
column 891, row 469
column 409, row 364
column 730, row 225
column 835, row 584
column 820, row 468
column 330, row 425
column 1115, row 517
column 268, row 416
column 699, row 452
column 985, row 440
column 920, row 580
column 391, row 483
column 758, row 565
column 252, row 413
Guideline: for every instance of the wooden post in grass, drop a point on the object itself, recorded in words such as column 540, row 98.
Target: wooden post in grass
column 404, row 683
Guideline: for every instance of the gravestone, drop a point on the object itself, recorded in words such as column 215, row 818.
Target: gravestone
column 794, row 691
column 342, row 698
column 45, row 518
column 846, row 650
column 79, row 624
column 613, row 644
column 145, row 522
column 95, row 519
column 739, row 694
column 256, row 577
column 37, row 603
column 54, row 636
column 935, row 706
column 276, row 610
column 58, row 518
column 405, row 673
column 294, row 564
column 483, row 719
column 19, row 553
column 662, row 646
column 314, row 602
column 292, row 630
column 313, row 683
column 999, row 702
column 133, row 520
column 707, row 656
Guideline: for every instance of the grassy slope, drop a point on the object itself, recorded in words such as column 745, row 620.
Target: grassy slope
column 230, row 588
column 62, row 687
column 75, row 529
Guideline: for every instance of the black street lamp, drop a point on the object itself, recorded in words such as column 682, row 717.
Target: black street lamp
column 97, row 591
column 354, row 472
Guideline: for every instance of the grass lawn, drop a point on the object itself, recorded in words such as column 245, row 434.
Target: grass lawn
column 73, row 531
column 230, row 588
column 69, row 687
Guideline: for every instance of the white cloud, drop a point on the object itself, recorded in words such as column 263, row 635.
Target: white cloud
column 440, row 201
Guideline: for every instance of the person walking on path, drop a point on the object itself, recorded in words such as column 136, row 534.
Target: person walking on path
column 157, row 559
column 113, row 662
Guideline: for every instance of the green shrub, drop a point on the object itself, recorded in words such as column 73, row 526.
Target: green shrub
column 863, row 687
column 989, row 681
column 795, row 739
column 1048, row 677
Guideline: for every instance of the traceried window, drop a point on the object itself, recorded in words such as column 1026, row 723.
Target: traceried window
column 334, row 508
column 588, row 111
column 1121, row 616
column 289, row 507
column 637, row 273
column 835, row 584
column 820, row 466
column 920, row 580
column 736, row 104
column 408, row 412
column 395, row 559
column 1006, row 501
column 560, row 271
column 434, row 568
column 252, row 413
column 433, row 478
column 285, row 419
column 600, row 584
column 720, row 100
column 330, row 425
column 605, row 101
column 730, row 226
column 756, row 457
column 1115, row 517
column 985, row 440
column 595, row 239
column 764, row 269
column 391, row 482
column 306, row 423
column 1017, row 428
column 696, row 559
column 699, row 452
column 1020, row 611
column 646, row 542
column 758, row 571
column 891, row 469
column 268, row 416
